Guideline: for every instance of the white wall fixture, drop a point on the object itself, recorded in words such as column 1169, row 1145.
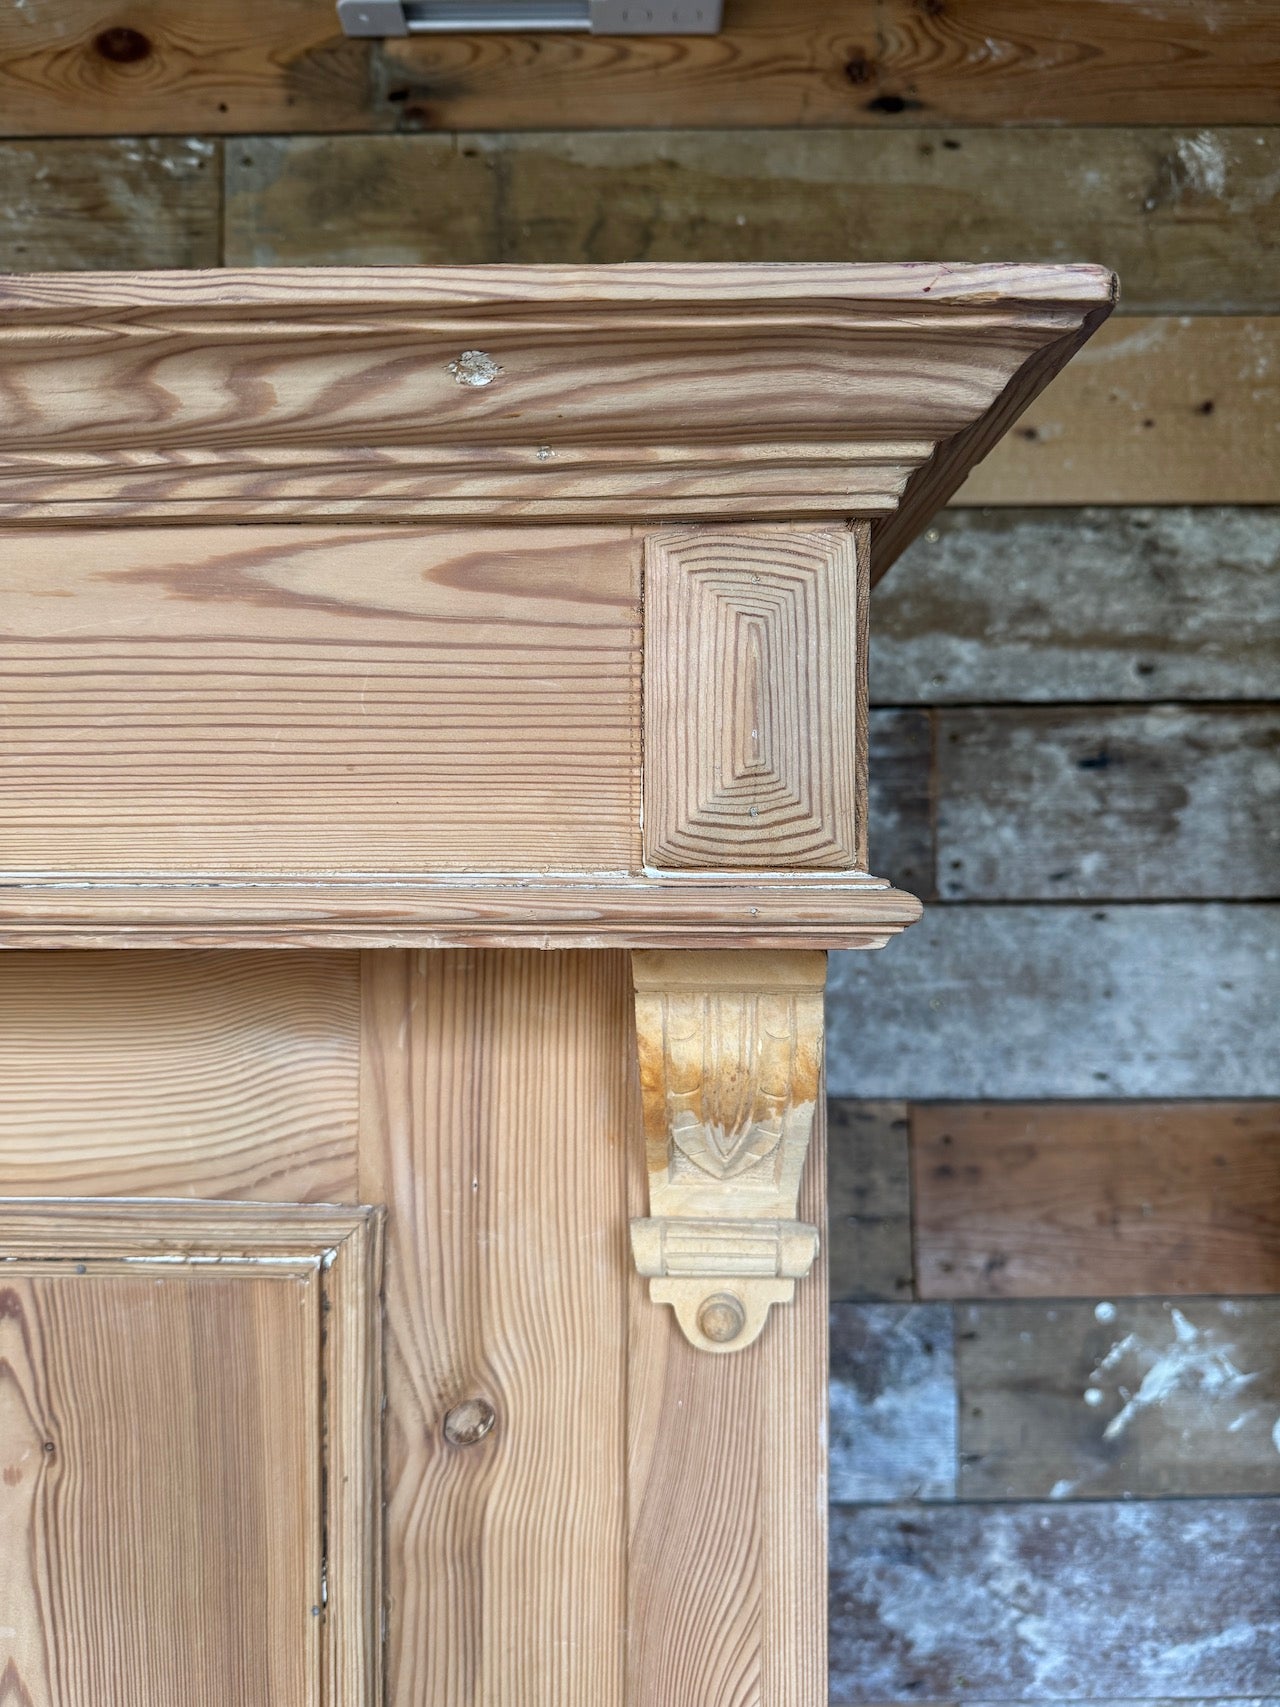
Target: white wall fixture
column 596, row 17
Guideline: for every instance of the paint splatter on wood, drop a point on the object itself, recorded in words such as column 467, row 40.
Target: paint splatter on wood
column 1133, row 1397
column 893, row 1403
column 1046, row 1603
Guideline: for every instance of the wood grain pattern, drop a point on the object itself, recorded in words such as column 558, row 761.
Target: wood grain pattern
column 1033, row 1200
column 242, row 1520
column 172, row 1075
column 1161, row 803
column 343, row 392
column 496, row 1128
column 1017, row 1001
column 1080, row 605
column 592, row 910
column 863, row 62
column 1039, row 1603
column 755, row 699
column 727, row 1554
column 1189, row 218
column 111, row 203
column 1141, row 1399
column 302, row 700
column 1179, row 410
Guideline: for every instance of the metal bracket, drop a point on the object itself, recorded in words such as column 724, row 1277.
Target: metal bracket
column 595, row 17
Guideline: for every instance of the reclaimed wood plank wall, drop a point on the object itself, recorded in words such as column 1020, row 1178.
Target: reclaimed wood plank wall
column 1055, row 1237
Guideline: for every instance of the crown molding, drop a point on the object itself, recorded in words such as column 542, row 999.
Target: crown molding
column 641, row 393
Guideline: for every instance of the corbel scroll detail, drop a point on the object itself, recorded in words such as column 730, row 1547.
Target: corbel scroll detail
column 730, row 1050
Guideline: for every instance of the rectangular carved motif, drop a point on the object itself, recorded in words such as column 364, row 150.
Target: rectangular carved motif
column 755, row 695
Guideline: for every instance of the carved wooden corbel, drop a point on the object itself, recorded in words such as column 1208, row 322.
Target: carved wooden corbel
column 730, row 1067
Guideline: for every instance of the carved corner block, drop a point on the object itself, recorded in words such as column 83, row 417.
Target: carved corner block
column 730, row 1048
column 755, row 698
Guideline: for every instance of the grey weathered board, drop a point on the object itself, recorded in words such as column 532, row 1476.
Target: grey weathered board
column 1054, row 1602
column 1137, row 1397
column 1118, row 803
column 1158, row 802
column 1189, row 218
column 126, row 201
column 868, row 1200
column 893, row 1402
column 900, row 800
column 1080, row 605
column 1089, row 1199
column 995, row 1001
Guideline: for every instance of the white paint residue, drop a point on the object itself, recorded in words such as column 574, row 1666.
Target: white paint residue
column 1204, row 161
column 1104, row 1312
column 1275, row 1435
column 474, row 368
column 1062, row 1490
column 1192, row 1363
column 1093, row 1396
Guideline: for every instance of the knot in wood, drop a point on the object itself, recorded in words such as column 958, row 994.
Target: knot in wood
column 468, row 1423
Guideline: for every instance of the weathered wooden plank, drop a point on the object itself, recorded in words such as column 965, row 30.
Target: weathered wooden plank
column 179, row 1075
column 127, row 201
column 1107, row 803
column 1165, row 1000
column 1045, row 1602
column 893, row 1403
column 868, row 1200
column 1038, row 1200
column 1189, row 219
column 1139, row 1398
column 1154, row 411
column 70, row 68
column 900, row 800
column 1087, row 604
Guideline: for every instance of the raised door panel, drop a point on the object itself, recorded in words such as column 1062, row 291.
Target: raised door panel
column 319, row 702
column 188, row 1455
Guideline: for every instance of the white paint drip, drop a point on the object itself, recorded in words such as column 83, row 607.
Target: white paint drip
column 1104, row 1312
column 1192, row 1363
column 1275, row 1435
column 1204, row 160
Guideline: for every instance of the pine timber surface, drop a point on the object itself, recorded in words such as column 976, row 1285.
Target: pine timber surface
column 76, row 65
column 235, row 1499
column 867, row 391
column 179, row 1075
column 310, row 701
